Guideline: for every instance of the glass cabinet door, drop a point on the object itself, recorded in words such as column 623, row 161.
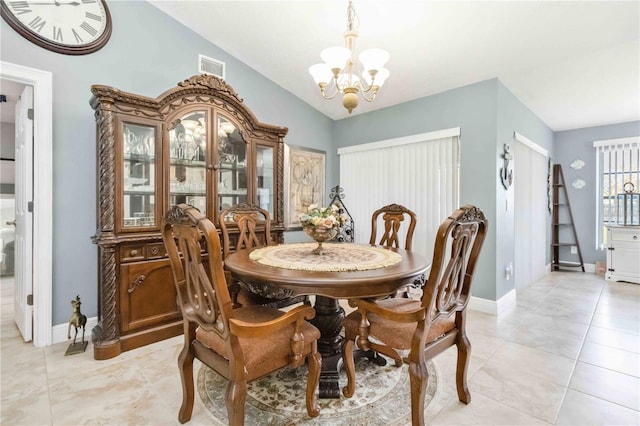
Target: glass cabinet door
column 139, row 175
column 266, row 178
column 231, row 166
column 187, row 160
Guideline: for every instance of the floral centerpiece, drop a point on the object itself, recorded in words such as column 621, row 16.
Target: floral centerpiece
column 321, row 224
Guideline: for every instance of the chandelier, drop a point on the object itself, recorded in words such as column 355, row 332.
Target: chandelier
column 341, row 73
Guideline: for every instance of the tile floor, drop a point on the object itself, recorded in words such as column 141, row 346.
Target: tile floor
column 568, row 354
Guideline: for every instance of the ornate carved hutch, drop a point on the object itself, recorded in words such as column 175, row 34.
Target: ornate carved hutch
column 196, row 143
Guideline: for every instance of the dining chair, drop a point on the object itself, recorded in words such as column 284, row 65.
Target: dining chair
column 393, row 216
column 239, row 344
column 245, row 226
column 428, row 326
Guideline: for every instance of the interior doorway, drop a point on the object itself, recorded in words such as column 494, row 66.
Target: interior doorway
column 41, row 270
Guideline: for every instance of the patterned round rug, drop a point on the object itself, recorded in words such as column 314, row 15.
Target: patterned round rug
column 382, row 397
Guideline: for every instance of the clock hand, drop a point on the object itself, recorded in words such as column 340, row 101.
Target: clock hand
column 54, row 3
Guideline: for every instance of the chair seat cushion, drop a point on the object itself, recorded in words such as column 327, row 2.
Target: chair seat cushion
column 261, row 353
column 396, row 334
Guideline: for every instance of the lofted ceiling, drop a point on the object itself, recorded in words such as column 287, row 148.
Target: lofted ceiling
column 574, row 64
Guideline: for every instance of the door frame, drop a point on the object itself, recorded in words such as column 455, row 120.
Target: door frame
column 42, row 82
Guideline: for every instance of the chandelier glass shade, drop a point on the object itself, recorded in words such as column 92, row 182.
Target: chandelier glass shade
column 342, row 73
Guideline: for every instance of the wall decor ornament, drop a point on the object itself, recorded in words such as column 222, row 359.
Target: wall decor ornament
column 304, row 186
column 578, row 184
column 577, row 164
column 506, row 173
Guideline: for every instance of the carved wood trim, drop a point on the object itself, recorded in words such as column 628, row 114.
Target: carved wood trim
column 110, row 306
column 106, row 167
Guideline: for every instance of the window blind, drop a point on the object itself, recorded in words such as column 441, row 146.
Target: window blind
column 421, row 172
column 617, row 162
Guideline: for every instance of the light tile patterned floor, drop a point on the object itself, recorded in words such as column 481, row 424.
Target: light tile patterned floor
column 568, row 354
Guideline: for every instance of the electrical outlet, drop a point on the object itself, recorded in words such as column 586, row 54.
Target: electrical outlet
column 574, row 249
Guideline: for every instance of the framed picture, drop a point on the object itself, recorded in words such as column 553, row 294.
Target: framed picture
column 304, row 177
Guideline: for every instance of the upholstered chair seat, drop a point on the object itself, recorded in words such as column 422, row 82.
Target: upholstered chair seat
column 396, row 334
column 261, row 354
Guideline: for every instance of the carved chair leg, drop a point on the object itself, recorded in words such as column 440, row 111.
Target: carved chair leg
column 349, row 367
column 185, row 365
column 314, row 361
column 464, row 350
column 235, row 399
column 418, row 378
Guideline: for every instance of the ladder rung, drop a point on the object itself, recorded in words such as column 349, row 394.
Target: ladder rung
column 558, row 185
column 569, row 264
column 564, row 244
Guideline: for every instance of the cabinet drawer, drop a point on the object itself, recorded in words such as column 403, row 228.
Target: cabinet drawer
column 154, row 251
column 132, row 253
column 147, row 295
column 625, row 235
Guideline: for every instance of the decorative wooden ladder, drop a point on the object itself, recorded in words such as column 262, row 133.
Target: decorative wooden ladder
column 558, row 248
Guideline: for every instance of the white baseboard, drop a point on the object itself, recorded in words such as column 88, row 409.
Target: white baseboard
column 59, row 332
column 494, row 307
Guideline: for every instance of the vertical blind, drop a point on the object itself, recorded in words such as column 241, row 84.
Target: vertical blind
column 530, row 212
column 421, row 172
column 617, row 162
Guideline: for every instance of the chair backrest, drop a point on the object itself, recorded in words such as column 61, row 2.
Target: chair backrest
column 203, row 296
column 458, row 243
column 253, row 225
column 393, row 215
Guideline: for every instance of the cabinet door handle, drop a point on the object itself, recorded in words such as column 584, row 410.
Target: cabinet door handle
column 136, row 283
column 211, row 167
column 635, row 237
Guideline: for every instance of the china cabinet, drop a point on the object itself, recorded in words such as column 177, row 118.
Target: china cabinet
column 196, row 143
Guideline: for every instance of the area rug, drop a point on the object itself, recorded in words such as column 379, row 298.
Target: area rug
column 382, row 397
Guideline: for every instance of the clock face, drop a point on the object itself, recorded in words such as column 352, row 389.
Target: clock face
column 73, row 27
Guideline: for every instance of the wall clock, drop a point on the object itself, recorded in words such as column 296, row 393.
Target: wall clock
column 71, row 27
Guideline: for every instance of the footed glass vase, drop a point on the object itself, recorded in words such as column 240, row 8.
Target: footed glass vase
column 320, row 234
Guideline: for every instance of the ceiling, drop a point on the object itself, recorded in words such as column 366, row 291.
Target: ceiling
column 574, row 64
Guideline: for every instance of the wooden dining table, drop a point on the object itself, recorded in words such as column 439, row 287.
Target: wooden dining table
column 345, row 271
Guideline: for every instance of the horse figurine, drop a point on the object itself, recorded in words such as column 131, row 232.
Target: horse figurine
column 76, row 320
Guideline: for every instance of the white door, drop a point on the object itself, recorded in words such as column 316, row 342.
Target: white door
column 531, row 211
column 23, row 312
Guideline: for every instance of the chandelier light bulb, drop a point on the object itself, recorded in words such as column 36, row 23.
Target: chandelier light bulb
column 380, row 77
column 373, row 59
column 336, row 57
column 321, row 73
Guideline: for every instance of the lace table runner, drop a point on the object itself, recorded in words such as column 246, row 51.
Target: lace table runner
column 338, row 257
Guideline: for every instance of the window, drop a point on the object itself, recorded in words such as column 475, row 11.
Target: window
column 618, row 162
column 421, row 172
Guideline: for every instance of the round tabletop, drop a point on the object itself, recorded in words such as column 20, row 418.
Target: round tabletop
column 337, row 284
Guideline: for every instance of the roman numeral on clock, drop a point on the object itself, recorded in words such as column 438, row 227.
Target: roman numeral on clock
column 20, row 7
column 88, row 28
column 93, row 16
column 57, row 34
column 37, row 24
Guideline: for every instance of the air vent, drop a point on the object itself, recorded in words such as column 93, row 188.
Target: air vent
column 211, row 66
